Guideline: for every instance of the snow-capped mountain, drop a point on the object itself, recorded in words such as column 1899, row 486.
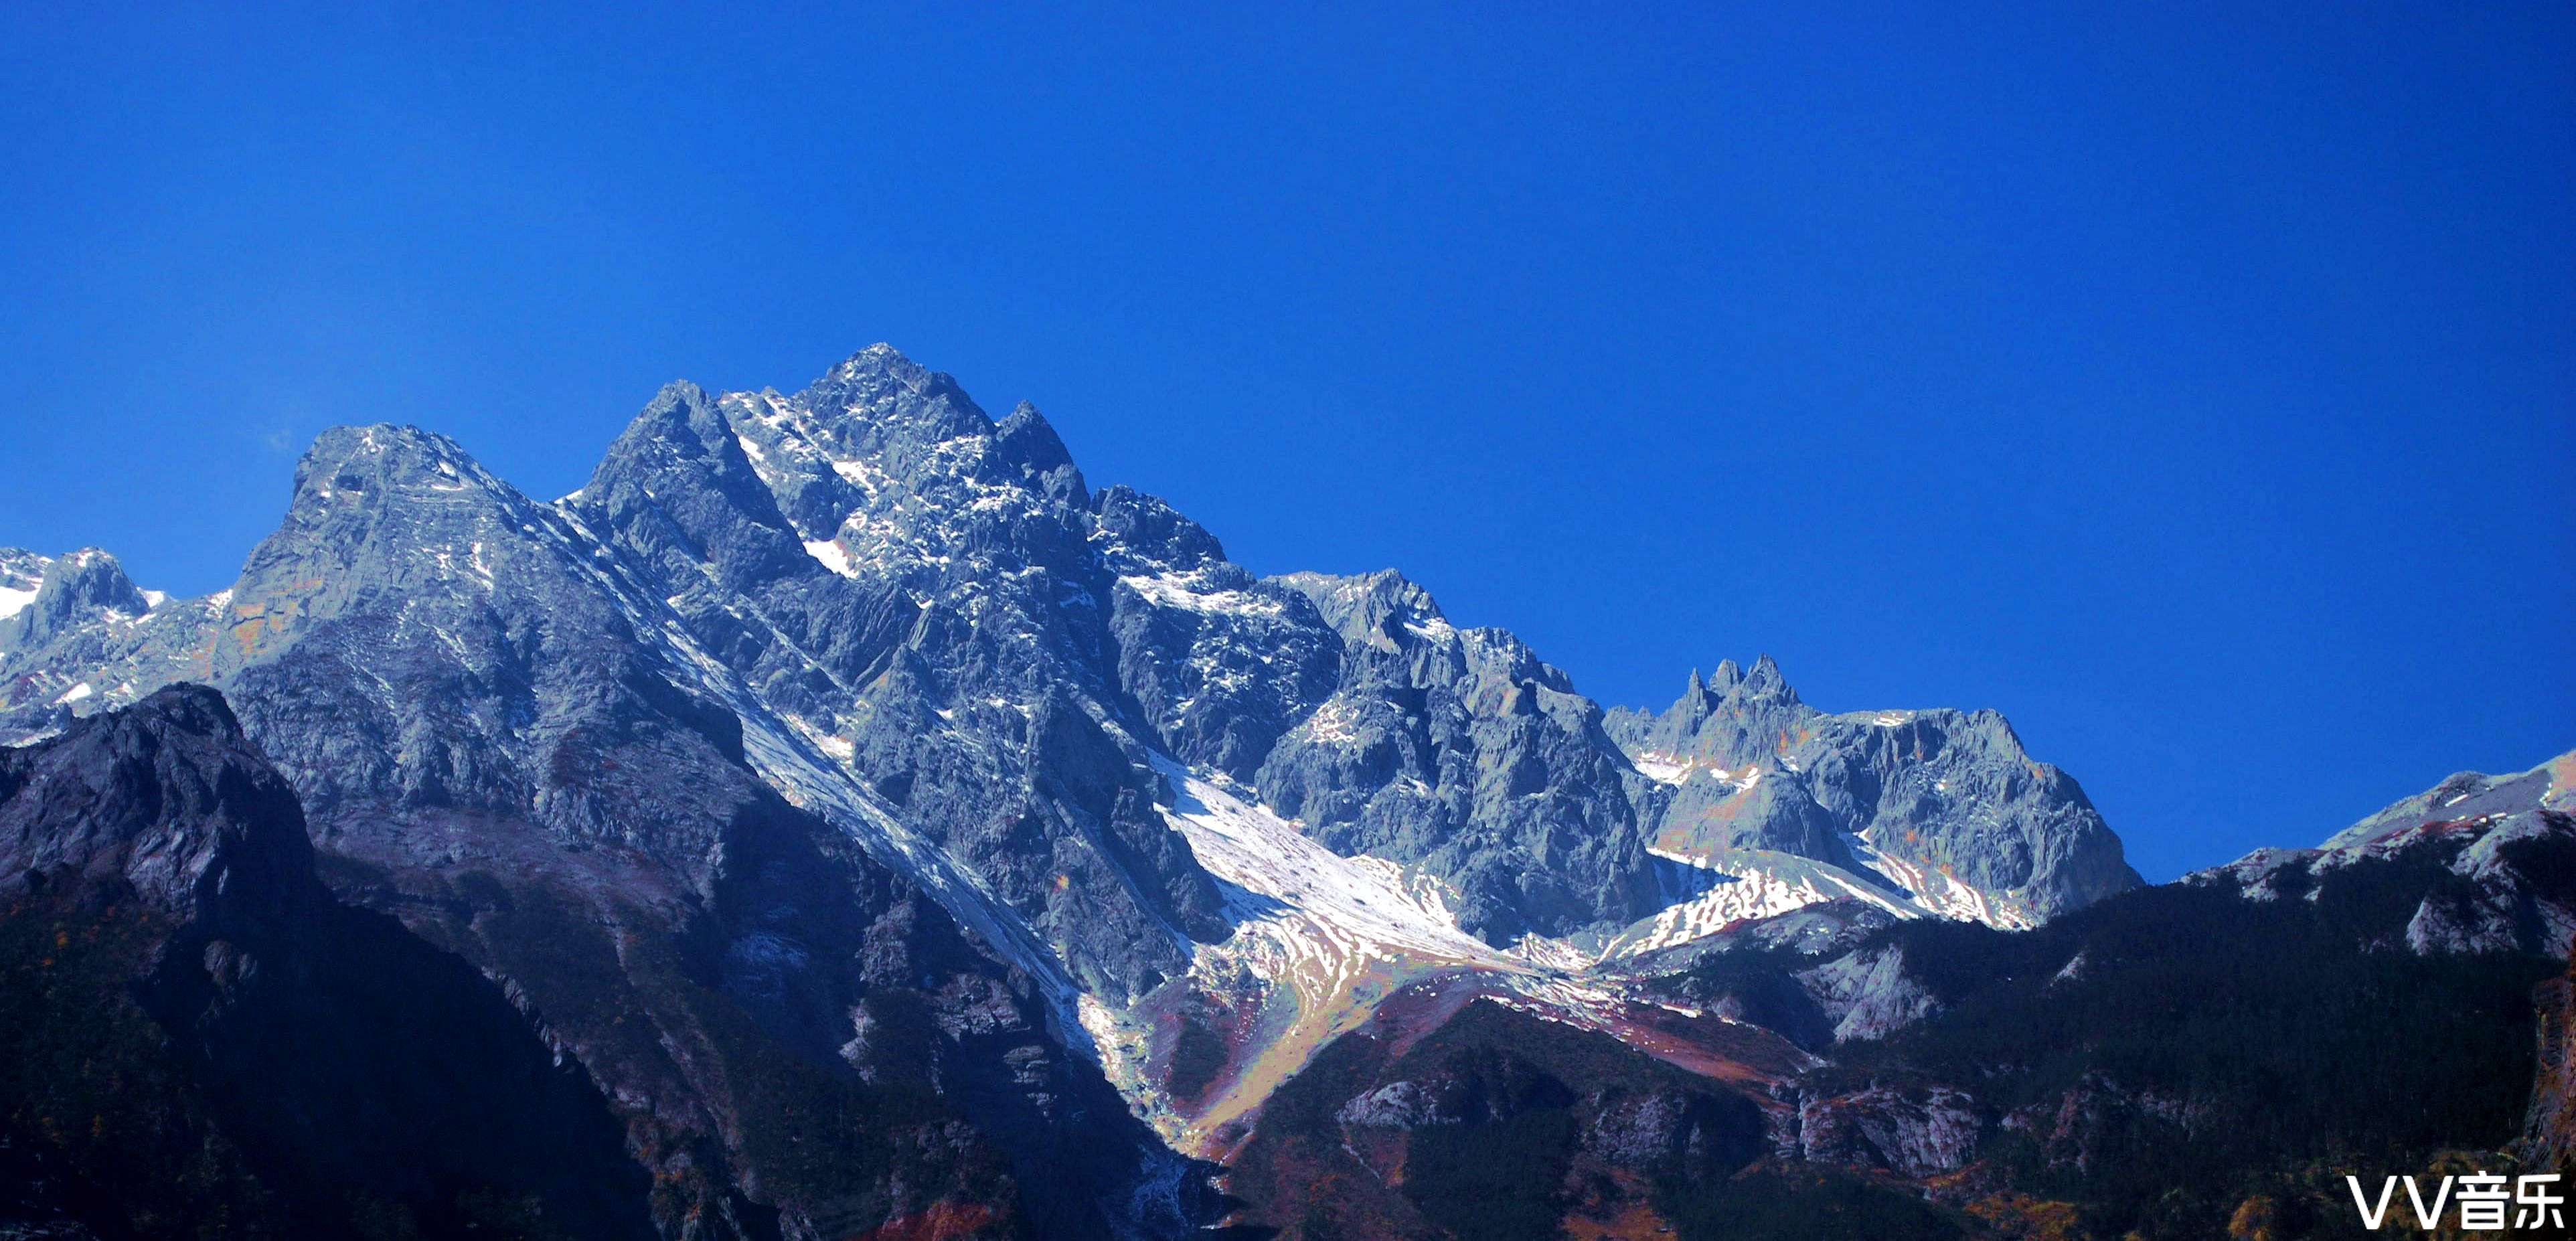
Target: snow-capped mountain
column 787, row 657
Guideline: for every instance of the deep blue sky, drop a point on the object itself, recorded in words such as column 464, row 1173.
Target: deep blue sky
column 2196, row 385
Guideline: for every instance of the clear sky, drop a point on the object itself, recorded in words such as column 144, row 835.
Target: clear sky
column 2196, row 384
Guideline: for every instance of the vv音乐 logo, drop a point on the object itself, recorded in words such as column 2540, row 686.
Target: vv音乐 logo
column 2482, row 1201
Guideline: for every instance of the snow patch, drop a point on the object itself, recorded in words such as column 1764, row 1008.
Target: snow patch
column 829, row 553
column 1317, row 902
column 1664, row 768
column 1752, row 884
column 1325, row 936
column 1331, row 722
column 1936, row 891
column 1181, row 590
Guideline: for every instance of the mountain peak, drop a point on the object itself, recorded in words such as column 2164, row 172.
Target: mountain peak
column 2470, row 795
column 1029, row 441
column 379, row 511
column 1731, row 679
column 73, row 589
column 1026, row 440
column 1358, row 604
column 680, row 411
column 880, row 385
column 166, row 793
column 360, row 458
column 879, row 355
column 1766, row 679
column 878, row 362
column 679, row 392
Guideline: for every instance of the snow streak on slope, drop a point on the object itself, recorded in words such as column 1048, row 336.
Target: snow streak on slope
column 1185, row 590
column 1939, row 893
column 1327, row 938
column 1678, row 770
column 1752, row 884
column 1320, row 905
column 1323, row 938
column 829, row 554
column 1320, row 940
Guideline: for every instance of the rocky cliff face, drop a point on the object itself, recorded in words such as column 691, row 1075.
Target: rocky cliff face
column 503, row 734
column 1458, row 751
column 917, row 593
column 1485, row 1121
column 2549, row 1123
column 1943, row 805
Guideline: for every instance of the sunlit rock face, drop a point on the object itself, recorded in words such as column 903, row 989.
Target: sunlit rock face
column 806, row 703
column 1945, row 804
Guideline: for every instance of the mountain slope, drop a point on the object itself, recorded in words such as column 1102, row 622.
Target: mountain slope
column 502, row 740
column 2502, row 846
column 2204, row 1058
column 790, row 669
column 208, row 1044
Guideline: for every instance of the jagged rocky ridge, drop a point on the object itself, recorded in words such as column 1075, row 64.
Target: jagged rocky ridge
column 954, row 562
column 2197, row 1059
column 1943, row 805
column 910, row 657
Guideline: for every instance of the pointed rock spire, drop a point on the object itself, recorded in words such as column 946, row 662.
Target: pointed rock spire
column 1765, row 680
column 1694, row 704
column 1726, row 678
column 1029, row 442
